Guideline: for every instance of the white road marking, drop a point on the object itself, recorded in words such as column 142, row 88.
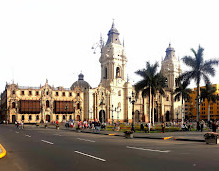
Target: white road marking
column 97, row 158
column 85, row 140
column 46, row 141
column 57, row 135
column 17, row 132
column 167, row 151
column 28, row 136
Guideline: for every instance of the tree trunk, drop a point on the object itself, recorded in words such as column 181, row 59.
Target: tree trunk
column 150, row 105
column 198, row 103
column 153, row 110
column 182, row 110
column 208, row 110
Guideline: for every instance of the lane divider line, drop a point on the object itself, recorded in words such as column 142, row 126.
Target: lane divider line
column 136, row 148
column 85, row 140
column 46, row 141
column 17, row 132
column 28, row 136
column 97, row 158
column 3, row 152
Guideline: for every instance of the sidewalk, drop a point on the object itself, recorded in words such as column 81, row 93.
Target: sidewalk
column 183, row 136
column 180, row 135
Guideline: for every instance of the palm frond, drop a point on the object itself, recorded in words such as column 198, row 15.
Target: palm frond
column 189, row 61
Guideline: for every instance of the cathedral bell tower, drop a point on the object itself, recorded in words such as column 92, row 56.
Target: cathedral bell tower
column 113, row 60
column 170, row 67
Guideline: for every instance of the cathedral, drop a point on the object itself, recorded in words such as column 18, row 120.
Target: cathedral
column 110, row 102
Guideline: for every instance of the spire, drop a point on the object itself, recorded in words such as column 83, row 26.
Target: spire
column 113, row 35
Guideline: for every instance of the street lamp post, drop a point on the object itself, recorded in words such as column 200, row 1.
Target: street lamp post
column 66, row 108
column 132, row 100
column 112, row 116
column 101, row 109
column 80, row 113
column 177, row 114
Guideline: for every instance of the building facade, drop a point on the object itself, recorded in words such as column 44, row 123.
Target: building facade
column 109, row 102
column 191, row 109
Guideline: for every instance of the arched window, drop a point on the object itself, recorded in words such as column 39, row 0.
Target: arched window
column 63, row 117
column 78, row 106
column 30, row 117
column 70, row 117
column 47, row 103
column 167, row 98
column 119, row 93
column 13, row 105
column 57, row 117
column 22, row 118
column 37, row 117
column 118, row 72
column 105, row 76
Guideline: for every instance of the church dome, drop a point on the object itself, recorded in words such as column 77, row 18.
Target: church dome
column 170, row 53
column 113, row 30
column 113, row 35
column 170, row 48
column 80, row 82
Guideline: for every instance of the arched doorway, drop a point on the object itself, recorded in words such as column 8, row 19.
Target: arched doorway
column 48, row 118
column 13, row 118
column 167, row 116
column 137, row 116
column 78, row 118
column 102, row 116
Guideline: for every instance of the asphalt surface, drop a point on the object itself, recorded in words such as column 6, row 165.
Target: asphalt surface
column 49, row 149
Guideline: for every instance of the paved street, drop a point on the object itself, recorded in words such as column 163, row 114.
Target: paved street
column 49, row 149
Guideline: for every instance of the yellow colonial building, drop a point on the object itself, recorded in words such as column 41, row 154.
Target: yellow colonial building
column 108, row 102
column 191, row 108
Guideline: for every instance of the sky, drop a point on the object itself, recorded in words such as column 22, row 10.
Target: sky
column 52, row 39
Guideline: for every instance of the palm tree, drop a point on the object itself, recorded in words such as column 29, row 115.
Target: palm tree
column 151, row 83
column 199, row 69
column 209, row 93
column 182, row 92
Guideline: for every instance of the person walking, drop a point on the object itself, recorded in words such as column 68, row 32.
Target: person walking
column 22, row 125
column 198, row 126
column 214, row 127
column 142, row 127
column 46, row 124
column 149, row 127
column 202, row 126
column 163, row 127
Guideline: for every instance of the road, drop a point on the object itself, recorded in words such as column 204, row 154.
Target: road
column 50, row 149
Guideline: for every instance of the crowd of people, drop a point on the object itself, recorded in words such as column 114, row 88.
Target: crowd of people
column 95, row 125
column 19, row 124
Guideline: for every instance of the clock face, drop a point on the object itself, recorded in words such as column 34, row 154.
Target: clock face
column 119, row 81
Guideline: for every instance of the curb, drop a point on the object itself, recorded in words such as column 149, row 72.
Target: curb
column 184, row 139
column 143, row 137
column 3, row 153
